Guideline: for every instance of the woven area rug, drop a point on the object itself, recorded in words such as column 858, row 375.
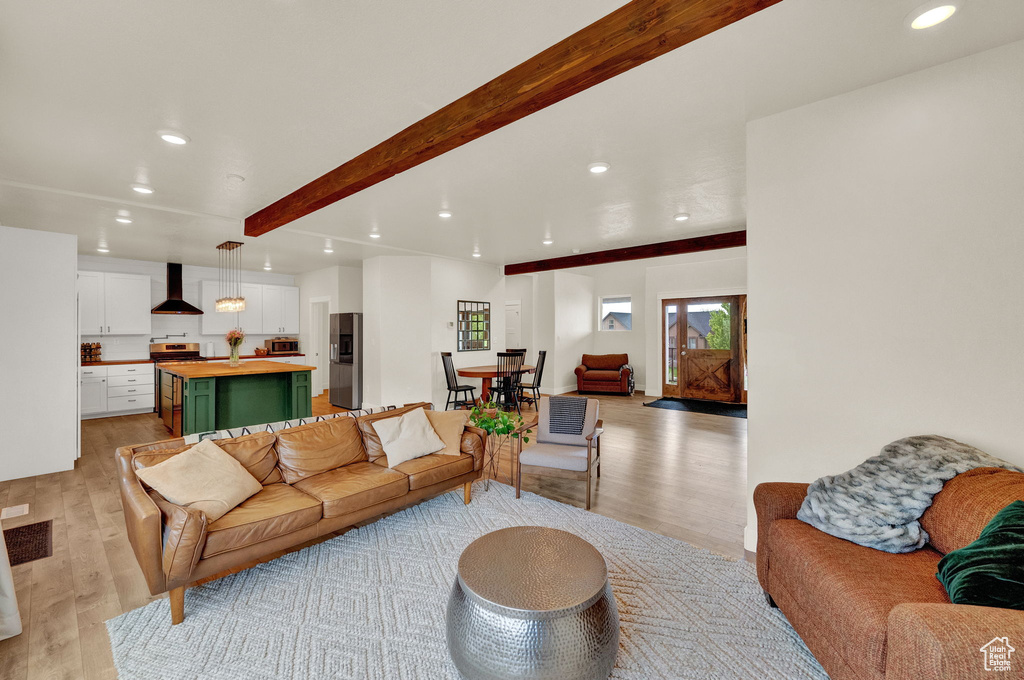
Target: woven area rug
column 371, row 604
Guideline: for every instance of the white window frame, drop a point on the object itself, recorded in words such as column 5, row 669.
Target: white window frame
column 600, row 307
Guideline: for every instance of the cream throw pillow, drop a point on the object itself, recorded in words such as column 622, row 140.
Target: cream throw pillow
column 204, row 477
column 449, row 426
column 406, row 437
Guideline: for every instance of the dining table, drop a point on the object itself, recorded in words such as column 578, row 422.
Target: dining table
column 486, row 375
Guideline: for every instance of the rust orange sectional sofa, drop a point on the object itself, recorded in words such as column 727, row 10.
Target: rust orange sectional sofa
column 867, row 614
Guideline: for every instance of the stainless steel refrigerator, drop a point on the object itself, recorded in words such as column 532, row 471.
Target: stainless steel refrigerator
column 347, row 360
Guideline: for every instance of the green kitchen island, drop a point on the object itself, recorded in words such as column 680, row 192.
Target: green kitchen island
column 202, row 397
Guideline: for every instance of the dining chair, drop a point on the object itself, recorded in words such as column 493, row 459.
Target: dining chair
column 509, row 373
column 534, row 385
column 521, row 351
column 568, row 441
column 454, row 388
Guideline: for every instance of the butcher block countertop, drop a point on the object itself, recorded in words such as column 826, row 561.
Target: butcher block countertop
column 150, row 361
column 215, row 370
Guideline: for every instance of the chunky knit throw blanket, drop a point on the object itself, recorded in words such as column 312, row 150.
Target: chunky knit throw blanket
column 878, row 503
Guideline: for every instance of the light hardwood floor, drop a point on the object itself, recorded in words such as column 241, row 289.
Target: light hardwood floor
column 677, row 473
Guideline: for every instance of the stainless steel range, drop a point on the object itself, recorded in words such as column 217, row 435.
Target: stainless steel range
column 169, row 387
column 175, row 351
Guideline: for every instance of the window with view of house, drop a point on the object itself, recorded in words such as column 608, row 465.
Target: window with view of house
column 616, row 313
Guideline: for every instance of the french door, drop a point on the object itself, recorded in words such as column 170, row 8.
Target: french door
column 703, row 348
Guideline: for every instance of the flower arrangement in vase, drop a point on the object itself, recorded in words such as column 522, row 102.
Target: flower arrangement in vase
column 234, row 337
column 501, row 427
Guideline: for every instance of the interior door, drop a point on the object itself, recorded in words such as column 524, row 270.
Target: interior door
column 702, row 348
column 513, row 324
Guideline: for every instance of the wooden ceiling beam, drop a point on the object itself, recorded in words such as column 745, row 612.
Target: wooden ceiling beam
column 732, row 239
column 630, row 36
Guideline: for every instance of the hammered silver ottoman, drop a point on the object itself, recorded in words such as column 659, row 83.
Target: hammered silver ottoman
column 532, row 602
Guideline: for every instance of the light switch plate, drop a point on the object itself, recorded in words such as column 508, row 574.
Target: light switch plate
column 14, row 511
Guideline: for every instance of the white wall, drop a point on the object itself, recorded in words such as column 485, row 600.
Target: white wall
column 885, row 236
column 451, row 281
column 622, row 278
column 575, row 323
column 120, row 347
column 544, row 326
column 408, row 303
column 38, row 353
column 397, row 330
column 350, row 289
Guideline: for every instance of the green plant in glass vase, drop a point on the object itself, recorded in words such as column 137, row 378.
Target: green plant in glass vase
column 502, row 427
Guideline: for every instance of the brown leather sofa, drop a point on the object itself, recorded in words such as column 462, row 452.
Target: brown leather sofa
column 869, row 614
column 603, row 373
column 317, row 479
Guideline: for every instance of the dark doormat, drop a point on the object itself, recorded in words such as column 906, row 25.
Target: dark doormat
column 715, row 408
column 29, row 542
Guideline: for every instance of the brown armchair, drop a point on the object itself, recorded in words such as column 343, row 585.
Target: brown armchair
column 603, row 373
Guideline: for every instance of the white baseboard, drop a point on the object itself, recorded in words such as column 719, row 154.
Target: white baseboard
column 112, row 414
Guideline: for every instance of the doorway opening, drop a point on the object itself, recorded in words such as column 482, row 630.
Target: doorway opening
column 319, row 330
column 704, row 348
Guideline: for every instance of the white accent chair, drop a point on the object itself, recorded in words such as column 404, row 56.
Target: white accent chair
column 563, row 455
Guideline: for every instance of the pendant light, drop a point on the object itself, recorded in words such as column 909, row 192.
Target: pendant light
column 230, row 277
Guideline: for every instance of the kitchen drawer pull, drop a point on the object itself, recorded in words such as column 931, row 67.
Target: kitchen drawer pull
column 131, row 390
column 131, row 401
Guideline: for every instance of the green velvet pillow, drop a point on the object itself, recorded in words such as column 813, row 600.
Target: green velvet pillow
column 990, row 571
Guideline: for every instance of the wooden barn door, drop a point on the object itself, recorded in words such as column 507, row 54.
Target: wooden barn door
column 702, row 345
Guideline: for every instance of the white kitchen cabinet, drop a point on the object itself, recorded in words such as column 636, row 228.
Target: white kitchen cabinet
column 90, row 303
column 273, row 310
column 93, row 396
column 280, row 310
column 110, row 303
column 269, row 310
column 251, row 320
column 213, row 322
column 116, row 389
column 127, row 304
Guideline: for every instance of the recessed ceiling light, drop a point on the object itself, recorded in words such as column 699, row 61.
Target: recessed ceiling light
column 102, row 250
column 238, row 179
column 681, row 217
column 575, row 250
column 328, row 250
column 445, row 214
column 122, row 220
column 547, row 241
column 374, row 235
column 476, row 254
column 266, row 267
column 172, row 137
column 598, row 168
column 931, row 14
column 142, row 188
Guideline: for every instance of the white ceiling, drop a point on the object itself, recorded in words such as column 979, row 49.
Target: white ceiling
column 280, row 91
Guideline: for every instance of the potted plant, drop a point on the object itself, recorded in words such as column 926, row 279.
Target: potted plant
column 501, row 427
column 234, row 337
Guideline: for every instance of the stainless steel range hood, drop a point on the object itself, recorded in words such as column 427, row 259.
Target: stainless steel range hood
column 174, row 304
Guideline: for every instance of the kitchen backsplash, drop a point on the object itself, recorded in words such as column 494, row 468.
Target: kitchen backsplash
column 121, row 347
